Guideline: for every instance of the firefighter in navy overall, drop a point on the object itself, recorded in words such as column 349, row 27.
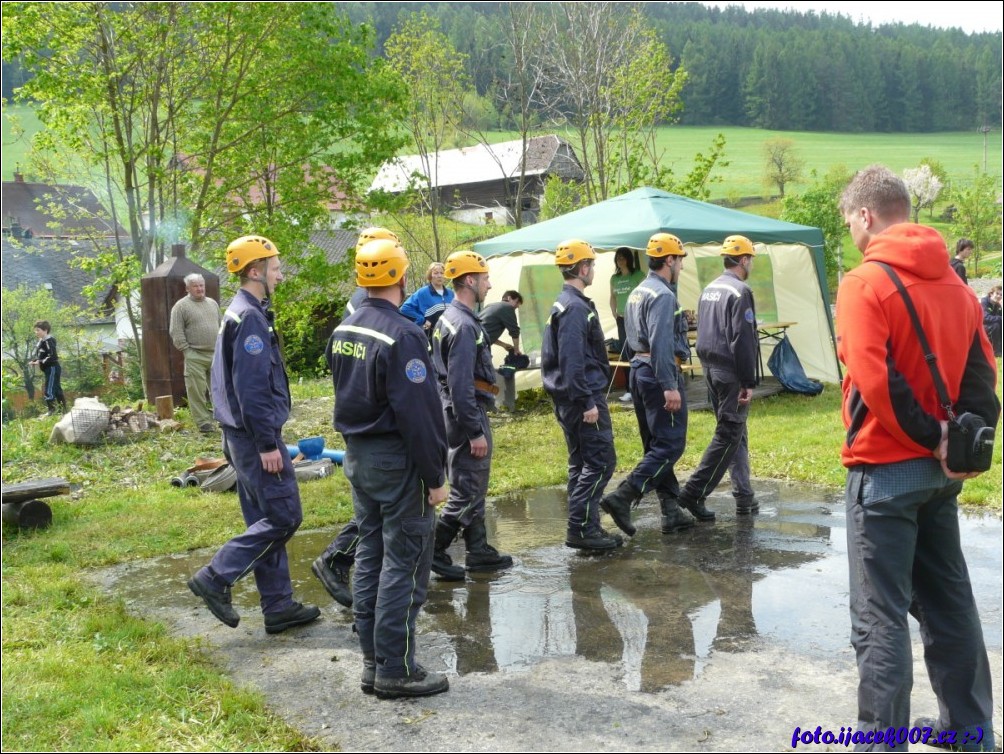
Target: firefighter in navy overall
column 576, row 372
column 729, row 349
column 388, row 410
column 251, row 402
column 462, row 357
column 660, row 401
column 333, row 566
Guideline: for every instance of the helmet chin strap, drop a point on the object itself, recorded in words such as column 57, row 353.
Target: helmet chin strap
column 264, row 285
column 674, row 274
column 478, row 298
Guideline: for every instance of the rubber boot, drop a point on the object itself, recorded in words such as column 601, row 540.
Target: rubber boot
column 481, row 556
column 747, row 506
column 619, row 504
column 334, row 575
column 369, row 674
column 674, row 518
column 442, row 563
column 595, row 541
column 697, row 507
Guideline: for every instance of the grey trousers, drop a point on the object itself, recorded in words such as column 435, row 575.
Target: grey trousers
column 394, row 554
column 468, row 475
column 728, row 449
column 905, row 557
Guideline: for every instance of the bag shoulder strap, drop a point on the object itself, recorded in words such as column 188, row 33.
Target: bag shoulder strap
column 929, row 357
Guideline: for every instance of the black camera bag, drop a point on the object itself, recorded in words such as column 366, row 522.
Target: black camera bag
column 970, row 440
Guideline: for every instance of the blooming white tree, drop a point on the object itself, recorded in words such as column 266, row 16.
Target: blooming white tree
column 924, row 187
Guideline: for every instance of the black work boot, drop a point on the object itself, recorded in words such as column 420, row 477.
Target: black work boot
column 369, row 674
column 697, row 507
column 335, row 577
column 294, row 615
column 218, row 602
column 747, row 506
column 421, row 682
column 442, row 563
column 673, row 517
column 481, row 556
column 618, row 505
column 595, row 541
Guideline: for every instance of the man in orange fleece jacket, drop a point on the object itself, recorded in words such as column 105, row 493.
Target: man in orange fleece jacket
column 902, row 518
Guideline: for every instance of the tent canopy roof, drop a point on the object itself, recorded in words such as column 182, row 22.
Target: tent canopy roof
column 630, row 219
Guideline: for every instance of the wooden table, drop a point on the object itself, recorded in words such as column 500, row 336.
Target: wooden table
column 773, row 330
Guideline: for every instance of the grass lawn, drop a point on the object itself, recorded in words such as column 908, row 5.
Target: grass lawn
column 957, row 151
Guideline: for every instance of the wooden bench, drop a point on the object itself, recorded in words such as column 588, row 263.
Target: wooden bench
column 691, row 369
column 21, row 506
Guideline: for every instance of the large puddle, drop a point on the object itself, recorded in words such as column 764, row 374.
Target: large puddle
column 658, row 608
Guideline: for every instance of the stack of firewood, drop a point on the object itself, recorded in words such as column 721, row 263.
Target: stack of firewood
column 123, row 422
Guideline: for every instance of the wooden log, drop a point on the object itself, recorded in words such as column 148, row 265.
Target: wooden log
column 165, row 406
column 18, row 493
column 30, row 514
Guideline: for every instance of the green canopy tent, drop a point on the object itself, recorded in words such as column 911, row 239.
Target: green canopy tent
column 789, row 276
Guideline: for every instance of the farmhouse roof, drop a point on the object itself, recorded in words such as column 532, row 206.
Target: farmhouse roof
column 46, row 263
column 260, row 185
column 477, row 164
column 54, row 210
column 335, row 243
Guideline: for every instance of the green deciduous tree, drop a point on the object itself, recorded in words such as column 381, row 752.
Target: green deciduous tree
column 588, row 44
column 202, row 121
column 519, row 86
column 434, row 76
column 645, row 93
column 977, row 213
column 612, row 80
column 781, row 163
column 20, row 309
column 818, row 207
column 559, row 198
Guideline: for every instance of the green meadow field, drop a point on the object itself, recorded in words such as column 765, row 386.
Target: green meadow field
column 959, row 152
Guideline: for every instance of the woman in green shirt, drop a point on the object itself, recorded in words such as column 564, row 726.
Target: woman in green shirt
column 622, row 282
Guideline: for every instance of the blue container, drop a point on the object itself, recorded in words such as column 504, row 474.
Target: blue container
column 311, row 447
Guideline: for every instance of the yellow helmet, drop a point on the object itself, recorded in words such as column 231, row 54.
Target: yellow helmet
column 665, row 245
column 380, row 263
column 247, row 249
column 737, row 246
column 573, row 251
column 374, row 234
column 464, row 263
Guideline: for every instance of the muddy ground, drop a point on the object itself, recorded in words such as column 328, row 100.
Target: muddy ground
column 592, row 683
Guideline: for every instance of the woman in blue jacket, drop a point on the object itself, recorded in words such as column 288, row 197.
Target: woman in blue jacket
column 427, row 304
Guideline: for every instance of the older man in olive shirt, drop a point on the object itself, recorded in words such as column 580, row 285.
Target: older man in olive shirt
column 195, row 322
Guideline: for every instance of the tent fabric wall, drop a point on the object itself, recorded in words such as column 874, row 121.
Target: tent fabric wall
column 795, row 286
column 794, row 251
